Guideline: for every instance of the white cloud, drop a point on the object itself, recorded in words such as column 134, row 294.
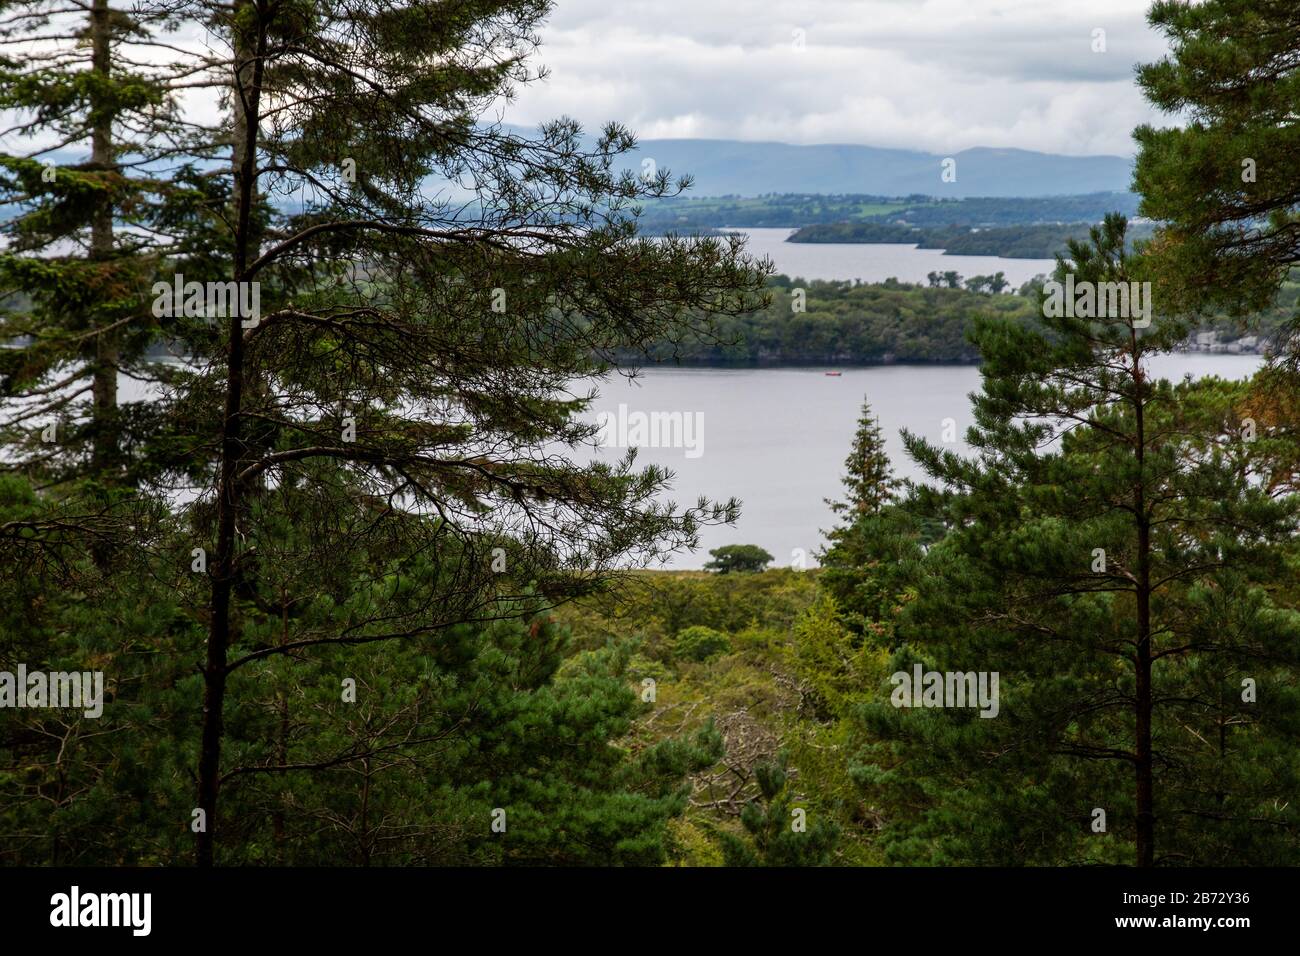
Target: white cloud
column 939, row 75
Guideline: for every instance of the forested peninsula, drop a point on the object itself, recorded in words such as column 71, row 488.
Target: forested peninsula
column 857, row 323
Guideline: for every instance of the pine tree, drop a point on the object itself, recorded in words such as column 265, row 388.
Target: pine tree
column 369, row 453
column 103, row 788
column 91, row 207
column 1222, row 184
column 868, row 478
column 482, row 745
column 405, row 754
column 1114, row 558
column 867, row 555
column 412, row 353
column 86, row 231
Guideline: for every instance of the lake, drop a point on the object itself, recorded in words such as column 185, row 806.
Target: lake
column 876, row 262
column 777, row 438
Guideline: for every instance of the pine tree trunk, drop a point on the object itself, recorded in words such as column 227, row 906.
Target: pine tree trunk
column 278, row 830
column 247, row 82
column 1142, row 704
column 1145, row 796
column 104, row 452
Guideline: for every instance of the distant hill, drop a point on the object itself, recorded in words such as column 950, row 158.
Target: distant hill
column 795, row 210
column 724, row 167
column 730, row 167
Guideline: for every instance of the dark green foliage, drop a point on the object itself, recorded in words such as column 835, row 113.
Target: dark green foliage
column 440, row 732
column 342, row 575
column 404, row 390
column 85, row 228
column 848, row 323
column 868, row 479
column 870, row 566
column 869, row 556
column 1223, row 180
column 369, row 461
column 1123, row 582
column 114, row 788
column 995, row 284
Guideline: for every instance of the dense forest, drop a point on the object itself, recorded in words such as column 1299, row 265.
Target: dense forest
column 829, row 323
column 343, row 590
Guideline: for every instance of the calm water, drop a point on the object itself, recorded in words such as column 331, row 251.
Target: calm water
column 876, row 262
column 777, row 438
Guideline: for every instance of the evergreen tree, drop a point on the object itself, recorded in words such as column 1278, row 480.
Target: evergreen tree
column 80, row 787
column 93, row 93
column 1222, row 184
column 480, row 746
column 868, row 555
column 868, row 478
column 407, row 753
column 368, row 441
column 413, row 353
column 1114, row 557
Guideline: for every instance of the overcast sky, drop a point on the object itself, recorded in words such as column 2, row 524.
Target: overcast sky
column 937, row 75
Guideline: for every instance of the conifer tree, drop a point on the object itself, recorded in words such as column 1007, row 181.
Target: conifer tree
column 867, row 555
column 480, row 745
column 84, row 175
column 368, row 444
column 414, row 346
column 1222, row 184
column 1114, row 558
column 88, row 90
column 868, row 479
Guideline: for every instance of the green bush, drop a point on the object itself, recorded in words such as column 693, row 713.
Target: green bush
column 699, row 643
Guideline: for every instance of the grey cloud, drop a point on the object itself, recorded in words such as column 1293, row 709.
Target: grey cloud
column 939, row 75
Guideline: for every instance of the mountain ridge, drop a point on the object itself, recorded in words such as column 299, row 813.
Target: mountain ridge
column 721, row 167
column 732, row 167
